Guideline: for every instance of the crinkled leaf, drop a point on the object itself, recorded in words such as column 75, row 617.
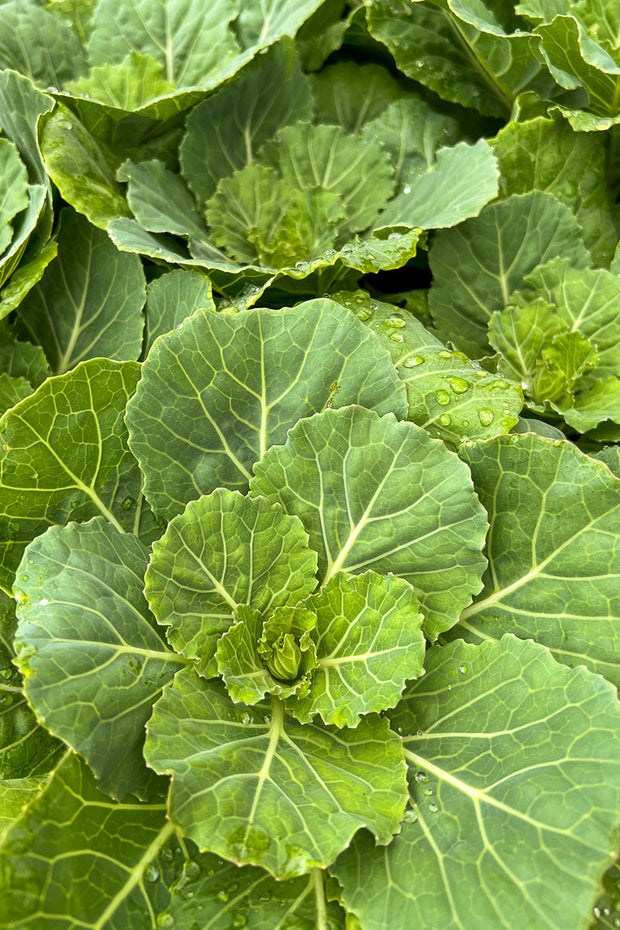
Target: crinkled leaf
column 456, row 187
column 222, row 551
column 191, row 39
column 89, row 302
column 218, row 392
column 21, row 107
column 368, row 640
column 553, row 560
column 562, row 363
column 226, row 132
column 173, row 297
column 597, row 399
column 12, row 390
column 47, row 476
column 38, row 45
column 575, row 59
column 82, row 168
column 86, row 643
column 221, row 893
column 585, row 300
column 21, row 359
column 26, row 748
column 547, row 155
column 357, row 170
column 244, row 665
column 13, row 188
column 261, row 22
column 520, row 334
column 293, row 795
column 71, row 834
column 478, row 264
column 379, row 494
column 29, row 226
column 126, row 85
column 349, row 95
column 514, row 790
column 472, row 59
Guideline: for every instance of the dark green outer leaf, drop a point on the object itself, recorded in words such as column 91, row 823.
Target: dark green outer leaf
column 515, row 790
column 86, row 643
column 257, row 787
column 89, row 302
column 63, row 456
column 553, row 556
column 172, row 298
column 76, row 860
column 38, row 45
column 217, row 393
column 379, row 494
column 21, row 107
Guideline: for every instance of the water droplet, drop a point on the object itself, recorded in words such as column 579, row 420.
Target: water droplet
column 394, row 236
column 363, row 315
column 165, row 920
column 444, row 419
column 25, row 577
column 433, row 807
column 5, row 673
column 395, row 320
column 43, row 602
column 443, row 397
column 222, row 896
column 462, row 669
column 246, row 719
column 397, row 337
column 167, row 854
column 556, row 442
column 192, row 871
column 414, row 361
column 151, row 873
column 128, row 503
column 410, row 816
column 421, row 778
column 443, row 354
column 459, row 385
column 240, row 921
column 406, row 190
column 485, row 416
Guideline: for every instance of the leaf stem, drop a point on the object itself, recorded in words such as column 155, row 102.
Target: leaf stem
column 319, row 891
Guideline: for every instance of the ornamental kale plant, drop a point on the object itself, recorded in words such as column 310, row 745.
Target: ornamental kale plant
column 309, row 465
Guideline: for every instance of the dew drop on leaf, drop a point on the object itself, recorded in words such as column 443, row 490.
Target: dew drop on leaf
column 443, row 397
column 397, row 337
column 444, row 419
column 459, row 385
column 222, row 896
column 421, row 778
column 433, row 807
column 485, row 416
column 410, row 816
column 414, row 362
column 151, row 873
column 462, row 669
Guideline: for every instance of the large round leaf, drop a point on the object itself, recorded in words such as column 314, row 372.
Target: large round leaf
column 554, row 560
column 515, row 790
column 256, row 787
column 225, row 550
column 92, row 660
column 376, row 493
column 217, row 393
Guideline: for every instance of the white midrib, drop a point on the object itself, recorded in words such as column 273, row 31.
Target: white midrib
column 277, row 727
column 136, row 875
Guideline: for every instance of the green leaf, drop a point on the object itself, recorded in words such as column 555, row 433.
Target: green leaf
column 412, row 131
column 357, row 170
column 87, row 646
column 563, row 362
column 520, row 334
column 38, row 45
column 172, row 298
column 252, row 655
column 82, row 168
column 452, row 397
column 89, row 301
column 261, row 22
column 221, row 893
column 349, row 95
column 596, row 401
column 294, row 795
column 467, row 53
column 13, row 189
column 606, row 912
column 12, row 390
column 21, row 359
column 258, row 218
column 21, row 107
column 24, row 279
column 69, row 834
column 26, row 748
column 46, row 477
column 127, row 85
column 15, row 793
column 575, row 59
column 29, row 226
column 368, row 640
column 226, row 131
column 379, row 494
column 190, row 39
column 513, row 789
column 217, row 393
column 456, row 187
column 553, row 565
column 547, row 155
column 478, row 264
column 222, row 551
column 76, row 13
